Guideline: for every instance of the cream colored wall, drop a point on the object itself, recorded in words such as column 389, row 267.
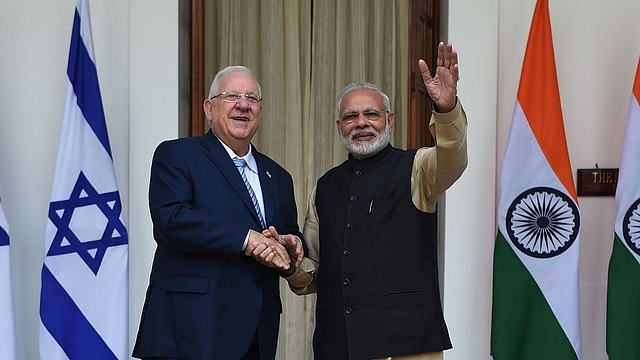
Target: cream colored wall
column 135, row 41
column 153, row 87
column 470, row 202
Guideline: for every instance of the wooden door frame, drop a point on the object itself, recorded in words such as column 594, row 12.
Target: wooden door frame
column 417, row 134
column 197, row 74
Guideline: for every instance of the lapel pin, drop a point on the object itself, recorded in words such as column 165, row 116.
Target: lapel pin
column 268, row 174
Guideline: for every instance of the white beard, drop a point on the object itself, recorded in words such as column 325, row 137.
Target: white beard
column 364, row 149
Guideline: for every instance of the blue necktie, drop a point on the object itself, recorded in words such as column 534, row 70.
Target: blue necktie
column 240, row 164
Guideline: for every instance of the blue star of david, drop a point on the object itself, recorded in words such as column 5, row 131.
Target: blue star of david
column 4, row 237
column 61, row 212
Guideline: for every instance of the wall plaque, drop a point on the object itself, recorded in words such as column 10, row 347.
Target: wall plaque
column 597, row 182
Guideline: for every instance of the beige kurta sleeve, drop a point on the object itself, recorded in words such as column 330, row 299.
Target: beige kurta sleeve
column 303, row 281
column 436, row 168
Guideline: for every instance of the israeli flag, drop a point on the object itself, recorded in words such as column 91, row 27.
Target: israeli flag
column 7, row 332
column 83, row 301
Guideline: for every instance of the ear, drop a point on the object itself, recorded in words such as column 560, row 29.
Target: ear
column 391, row 120
column 207, row 106
column 338, row 127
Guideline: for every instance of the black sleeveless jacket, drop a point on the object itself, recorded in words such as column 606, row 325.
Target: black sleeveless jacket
column 378, row 291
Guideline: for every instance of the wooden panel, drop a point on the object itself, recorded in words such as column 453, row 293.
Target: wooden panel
column 197, row 127
column 424, row 22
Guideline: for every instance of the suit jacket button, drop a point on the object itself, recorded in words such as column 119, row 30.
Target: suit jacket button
column 348, row 311
column 258, row 282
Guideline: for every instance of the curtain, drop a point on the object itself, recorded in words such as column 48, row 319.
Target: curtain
column 303, row 53
column 354, row 40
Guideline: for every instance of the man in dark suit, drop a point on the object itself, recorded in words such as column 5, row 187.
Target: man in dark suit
column 213, row 291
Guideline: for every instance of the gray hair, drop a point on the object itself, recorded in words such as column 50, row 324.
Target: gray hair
column 215, row 84
column 363, row 86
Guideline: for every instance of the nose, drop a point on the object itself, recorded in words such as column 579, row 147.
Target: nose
column 361, row 121
column 243, row 103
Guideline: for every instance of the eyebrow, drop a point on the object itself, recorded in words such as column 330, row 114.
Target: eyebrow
column 370, row 108
column 240, row 92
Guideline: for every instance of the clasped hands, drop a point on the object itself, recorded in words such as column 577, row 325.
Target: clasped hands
column 283, row 252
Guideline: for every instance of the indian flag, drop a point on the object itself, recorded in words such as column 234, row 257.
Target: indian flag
column 623, row 291
column 536, row 311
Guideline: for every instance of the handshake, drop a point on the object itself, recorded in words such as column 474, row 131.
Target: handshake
column 283, row 252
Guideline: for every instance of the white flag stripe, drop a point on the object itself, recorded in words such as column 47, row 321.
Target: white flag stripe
column 629, row 191
column 550, row 274
column 92, row 160
column 7, row 330
column 85, row 28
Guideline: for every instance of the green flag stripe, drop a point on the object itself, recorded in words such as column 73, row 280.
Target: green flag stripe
column 623, row 304
column 524, row 327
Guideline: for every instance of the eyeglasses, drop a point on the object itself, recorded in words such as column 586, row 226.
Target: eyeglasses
column 233, row 97
column 350, row 116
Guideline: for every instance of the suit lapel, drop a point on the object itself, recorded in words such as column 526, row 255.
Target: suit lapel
column 220, row 158
column 266, row 183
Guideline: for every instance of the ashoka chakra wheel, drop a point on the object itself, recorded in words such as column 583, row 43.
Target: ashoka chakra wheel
column 631, row 227
column 543, row 222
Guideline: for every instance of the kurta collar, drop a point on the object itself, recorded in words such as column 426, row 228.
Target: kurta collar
column 372, row 159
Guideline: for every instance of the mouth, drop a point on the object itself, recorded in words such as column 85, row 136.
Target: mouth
column 363, row 136
column 240, row 118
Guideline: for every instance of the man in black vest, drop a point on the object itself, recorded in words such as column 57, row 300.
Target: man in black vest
column 372, row 221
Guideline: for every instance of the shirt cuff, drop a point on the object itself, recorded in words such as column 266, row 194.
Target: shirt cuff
column 299, row 278
column 246, row 240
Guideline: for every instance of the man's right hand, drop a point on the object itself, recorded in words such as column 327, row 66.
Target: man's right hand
column 291, row 243
column 443, row 86
column 267, row 251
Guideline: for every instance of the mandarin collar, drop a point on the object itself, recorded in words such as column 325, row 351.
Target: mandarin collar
column 373, row 159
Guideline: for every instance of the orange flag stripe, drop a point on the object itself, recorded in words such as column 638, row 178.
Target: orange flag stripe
column 539, row 96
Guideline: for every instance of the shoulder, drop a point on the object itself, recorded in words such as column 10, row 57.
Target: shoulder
column 179, row 143
column 397, row 152
column 401, row 160
column 175, row 149
column 338, row 169
column 337, row 174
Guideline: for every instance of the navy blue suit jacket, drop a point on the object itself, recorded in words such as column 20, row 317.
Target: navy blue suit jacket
column 206, row 299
